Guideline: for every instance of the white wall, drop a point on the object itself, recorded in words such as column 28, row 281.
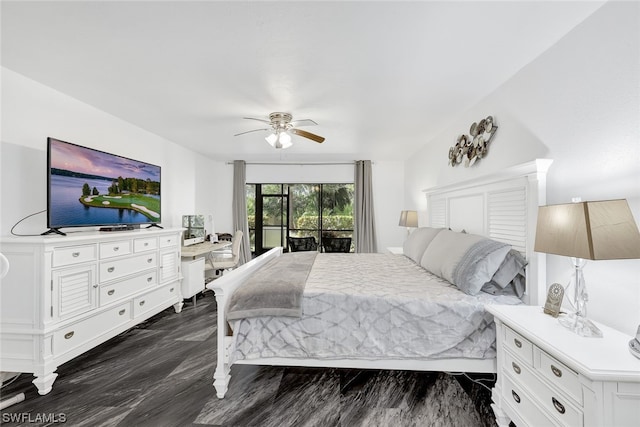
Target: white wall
column 578, row 104
column 31, row 112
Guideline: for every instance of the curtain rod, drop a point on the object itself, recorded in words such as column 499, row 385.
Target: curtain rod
column 297, row 163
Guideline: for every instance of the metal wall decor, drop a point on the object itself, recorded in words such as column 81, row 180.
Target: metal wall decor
column 473, row 147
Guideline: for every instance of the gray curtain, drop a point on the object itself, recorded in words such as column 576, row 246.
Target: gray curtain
column 364, row 231
column 240, row 208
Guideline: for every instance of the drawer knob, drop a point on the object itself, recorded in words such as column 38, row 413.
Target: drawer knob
column 149, row 279
column 75, row 254
column 516, row 368
column 146, row 243
column 517, row 343
column 150, row 260
column 171, row 290
column 111, row 292
column 121, row 312
column 557, row 372
column 68, row 335
column 111, row 269
column 116, row 248
column 559, row 406
column 141, row 303
column 515, row 396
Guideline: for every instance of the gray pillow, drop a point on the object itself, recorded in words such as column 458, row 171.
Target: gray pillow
column 509, row 279
column 466, row 260
column 418, row 241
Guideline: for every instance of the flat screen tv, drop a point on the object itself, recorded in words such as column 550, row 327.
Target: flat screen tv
column 88, row 187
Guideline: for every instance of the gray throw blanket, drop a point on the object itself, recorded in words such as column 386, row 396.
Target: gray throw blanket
column 275, row 290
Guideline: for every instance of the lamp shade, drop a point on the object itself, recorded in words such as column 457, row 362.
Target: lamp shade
column 408, row 219
column 589, row 230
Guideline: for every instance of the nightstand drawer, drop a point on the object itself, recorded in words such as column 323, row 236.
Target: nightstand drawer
column 519, row 346
column 560, row 375
column 549, row 398
column 523, row 405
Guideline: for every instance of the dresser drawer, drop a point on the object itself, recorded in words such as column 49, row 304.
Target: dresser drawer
column 560, row 375
column 122, row 289
column 74, row 255
column 155, row 298
column 78, row 334
column 522, row 404
column 519, row 346
column 145, row 244
column 114, row 249
column 110, row 270
column 169, row 241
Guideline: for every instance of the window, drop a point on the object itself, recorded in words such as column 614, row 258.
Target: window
column 276, row 211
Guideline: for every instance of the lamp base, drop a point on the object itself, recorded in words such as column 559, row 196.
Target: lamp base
column 580, row 325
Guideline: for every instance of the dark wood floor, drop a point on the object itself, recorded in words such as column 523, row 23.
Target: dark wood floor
column 160, row 374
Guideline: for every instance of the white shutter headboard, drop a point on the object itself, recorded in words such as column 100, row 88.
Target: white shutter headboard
column 502, row 206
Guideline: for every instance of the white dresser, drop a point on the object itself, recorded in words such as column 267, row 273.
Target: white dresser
column 65, row 295
column 547, row 375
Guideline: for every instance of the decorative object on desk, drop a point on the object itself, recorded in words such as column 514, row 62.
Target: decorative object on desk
column 597, row 230
column 194, row 229
column 473, row 147
column 408, row 219
column 554, row 300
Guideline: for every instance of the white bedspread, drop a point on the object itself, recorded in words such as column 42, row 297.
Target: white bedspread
column 374, row 306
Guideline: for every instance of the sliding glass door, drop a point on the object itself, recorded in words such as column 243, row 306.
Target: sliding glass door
column 277, row 211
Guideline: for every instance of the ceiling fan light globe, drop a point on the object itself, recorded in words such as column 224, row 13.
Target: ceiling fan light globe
column 272, row 139
column 285, row 140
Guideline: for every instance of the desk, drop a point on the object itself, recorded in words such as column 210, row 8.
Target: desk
column 193, row 260
column 201, row 249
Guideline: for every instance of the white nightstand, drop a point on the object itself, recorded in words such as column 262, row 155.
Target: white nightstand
column 547, row 375
column 396, row 250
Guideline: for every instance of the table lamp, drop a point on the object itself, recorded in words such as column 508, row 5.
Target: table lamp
column 408, row 219
column 597, row 230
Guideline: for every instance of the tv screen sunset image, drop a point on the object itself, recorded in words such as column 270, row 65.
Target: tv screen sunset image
column 90, row 187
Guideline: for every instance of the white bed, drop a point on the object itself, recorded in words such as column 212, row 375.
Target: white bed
column 502, row 207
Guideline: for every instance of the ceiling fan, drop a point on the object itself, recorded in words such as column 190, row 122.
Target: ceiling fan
column 281, row 127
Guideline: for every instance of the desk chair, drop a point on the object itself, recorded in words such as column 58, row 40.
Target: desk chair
column 297, row 244
column 225, row 261
column 336, row 244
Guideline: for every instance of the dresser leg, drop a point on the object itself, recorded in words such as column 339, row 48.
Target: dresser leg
column 178, row 306
column 45, row 382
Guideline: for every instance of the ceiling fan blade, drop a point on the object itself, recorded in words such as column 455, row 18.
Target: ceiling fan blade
column 303, row 122
column 305, row 134
column 249, row 131
column 260, row 120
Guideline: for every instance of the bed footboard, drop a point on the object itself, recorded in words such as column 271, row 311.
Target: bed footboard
column 224, row 287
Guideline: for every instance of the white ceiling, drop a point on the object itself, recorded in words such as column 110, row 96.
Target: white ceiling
column 380, row 78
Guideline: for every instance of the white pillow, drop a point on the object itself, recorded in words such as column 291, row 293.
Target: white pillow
column 418, row 241
column 466, row 260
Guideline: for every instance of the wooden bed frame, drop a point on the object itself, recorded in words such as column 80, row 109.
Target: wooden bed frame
column 502, row 206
